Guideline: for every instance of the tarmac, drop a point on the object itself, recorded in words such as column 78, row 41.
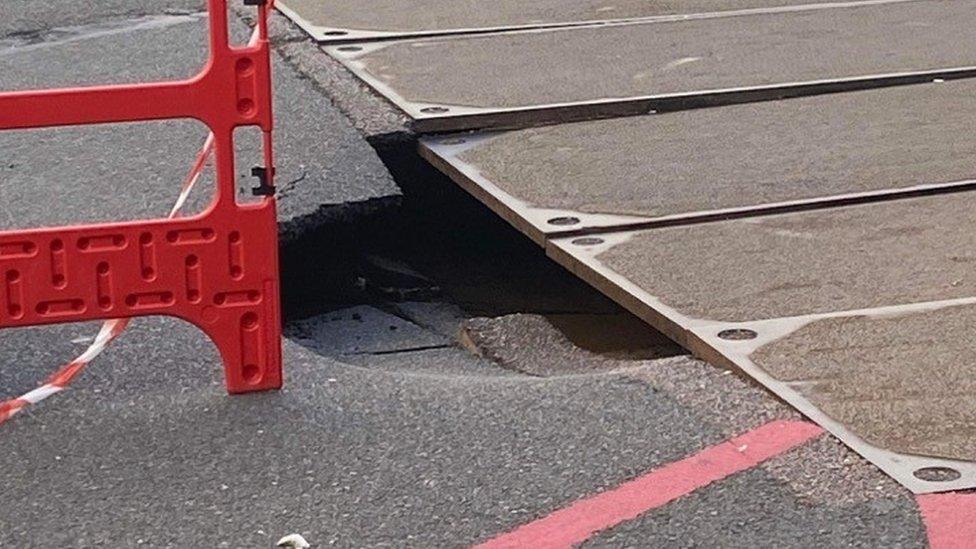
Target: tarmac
column 446, row 382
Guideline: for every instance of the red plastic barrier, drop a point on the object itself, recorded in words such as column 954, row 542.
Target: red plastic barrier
column 217, row 270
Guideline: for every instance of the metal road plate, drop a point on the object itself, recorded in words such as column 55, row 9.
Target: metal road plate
column 528, row 78
column 861, row 317
column 689, row 166
column 356, row 20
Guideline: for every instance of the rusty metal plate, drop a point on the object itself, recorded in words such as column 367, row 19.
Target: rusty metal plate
column 860, row 316
column 357, row 20
column 691, row 166
column 520, row 79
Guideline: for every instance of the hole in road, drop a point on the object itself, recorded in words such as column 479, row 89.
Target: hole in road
column 442, row 246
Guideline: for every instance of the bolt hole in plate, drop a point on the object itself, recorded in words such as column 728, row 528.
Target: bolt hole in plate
column 738, row 334
column 588, row 241
column 563, row 221
column 937, row 474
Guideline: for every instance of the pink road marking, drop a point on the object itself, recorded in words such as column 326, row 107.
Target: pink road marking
column 950, row 519
column 581, row 520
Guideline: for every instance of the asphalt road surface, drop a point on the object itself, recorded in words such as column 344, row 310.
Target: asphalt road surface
column 401, row 424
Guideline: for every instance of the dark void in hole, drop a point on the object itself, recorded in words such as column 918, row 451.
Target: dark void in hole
column 937, row 474
column 738, row 334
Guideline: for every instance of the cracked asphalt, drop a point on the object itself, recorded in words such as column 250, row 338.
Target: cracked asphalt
column 435, row 422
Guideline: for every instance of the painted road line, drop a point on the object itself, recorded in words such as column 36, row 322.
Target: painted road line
column 950, row 519
column 581, row 520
